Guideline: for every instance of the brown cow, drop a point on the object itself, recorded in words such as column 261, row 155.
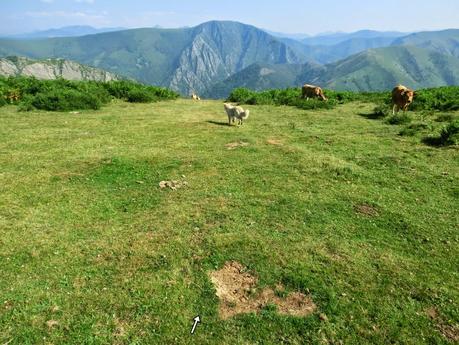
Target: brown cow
column 311, row 91
column 402, row 97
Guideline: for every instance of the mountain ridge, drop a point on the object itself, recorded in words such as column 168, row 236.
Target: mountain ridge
column 372, row 70
column 187, row 59
column 52, row 69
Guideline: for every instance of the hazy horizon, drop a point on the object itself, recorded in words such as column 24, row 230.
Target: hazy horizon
column 289, row 17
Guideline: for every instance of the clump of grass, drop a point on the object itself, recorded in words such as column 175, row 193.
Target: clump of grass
column 449, row 135
column 412, row 129
column 380, row 111
column 445, row 118
column 398, row 119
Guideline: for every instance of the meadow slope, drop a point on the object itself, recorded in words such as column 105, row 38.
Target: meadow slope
column 330, row 203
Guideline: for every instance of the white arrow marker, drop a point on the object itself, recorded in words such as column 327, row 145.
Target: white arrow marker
column 196, row 320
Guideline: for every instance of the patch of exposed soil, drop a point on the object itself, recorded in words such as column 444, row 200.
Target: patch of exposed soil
column 275, row 142
column 236, row 290
column 366, row 210
column 236, row 144
column 450, row 332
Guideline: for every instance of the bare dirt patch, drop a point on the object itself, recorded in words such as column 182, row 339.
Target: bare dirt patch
column 449, row 331
column 366, row 210
column 236, row 290
column 236, row 144
column 275, row 142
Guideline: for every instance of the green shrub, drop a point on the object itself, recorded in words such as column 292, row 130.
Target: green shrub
column 2, row 99
column 134, row 92
column 162, row 93
column 63, row 95
column 439, row 99
column 65, row 100
column 26, row 103
column 241, row 95
column 292, row 97
column 140, row 96
column 313, row 104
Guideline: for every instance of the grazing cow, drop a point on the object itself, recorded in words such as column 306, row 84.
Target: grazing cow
column 236, row 113
column 402, row 97
column 195, row 97
column 311, row 91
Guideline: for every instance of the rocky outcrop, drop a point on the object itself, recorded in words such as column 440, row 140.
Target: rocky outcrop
column 220, row 49
column 52, row 69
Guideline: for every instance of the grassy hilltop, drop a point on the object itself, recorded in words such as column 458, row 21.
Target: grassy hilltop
column 329, row 202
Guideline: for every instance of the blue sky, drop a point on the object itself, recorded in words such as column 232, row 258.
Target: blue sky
column 291, row 16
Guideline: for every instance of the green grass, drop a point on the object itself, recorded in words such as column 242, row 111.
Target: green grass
column 89, row 240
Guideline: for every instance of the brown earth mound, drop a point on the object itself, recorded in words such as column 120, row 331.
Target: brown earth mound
column 449, row 331
column 366, row 210
column 275, row 142
column 236, row 289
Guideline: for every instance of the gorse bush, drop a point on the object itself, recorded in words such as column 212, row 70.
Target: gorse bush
column 2, row 99
column 64, row 95
column 140, row 96
column 134, row 92
column 440, row 99
column 292, row 97
column 65, row 100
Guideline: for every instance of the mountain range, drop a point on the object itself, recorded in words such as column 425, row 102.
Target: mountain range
column 214, row 57
column 68, row 31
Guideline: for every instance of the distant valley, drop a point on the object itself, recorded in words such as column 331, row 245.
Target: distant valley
column 215, row 57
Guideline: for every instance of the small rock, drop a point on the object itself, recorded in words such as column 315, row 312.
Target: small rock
column 323, row 317
column 52, row 323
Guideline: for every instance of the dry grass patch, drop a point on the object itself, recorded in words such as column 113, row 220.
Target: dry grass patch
column 236, row 144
